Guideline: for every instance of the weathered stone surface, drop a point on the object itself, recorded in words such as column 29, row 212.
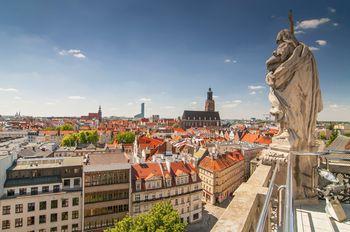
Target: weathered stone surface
column 243, row 212
column 295, row 98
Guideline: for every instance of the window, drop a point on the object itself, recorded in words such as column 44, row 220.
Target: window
column 64, row 228
column 138, row 186
column 45, row 189
column 77, row 182
column 19, row 208
column 195, row 216
column 75, row 214
column 10, row 192
column 42, row 205
column 137, row 197
column 64, row 216
column 31, row 207
column 66, row 183
column 53, row 229
column 6, row 209
column 176, row 203
column 22, row 191
column 18, row 222
column 42, row 219
column 42, row 230
column 30, row 221
column 53, row 217
column 64, row 202
column 75, row 227
column 146, row 197
column 56, row 188
column 54, row 204
column 34, row 191
column 75, row 201
column 5, row 224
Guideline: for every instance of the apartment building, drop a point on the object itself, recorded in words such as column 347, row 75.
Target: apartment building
column 176, row 182
column 42, row 194
column 106, row 190
column 221, row 175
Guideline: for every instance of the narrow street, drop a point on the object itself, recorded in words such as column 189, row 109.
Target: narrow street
column 211, row 214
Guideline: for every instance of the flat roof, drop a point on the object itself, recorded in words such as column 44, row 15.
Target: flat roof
column 107, row 162
column 52, row 162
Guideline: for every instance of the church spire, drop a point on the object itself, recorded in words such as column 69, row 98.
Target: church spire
column 209, row 103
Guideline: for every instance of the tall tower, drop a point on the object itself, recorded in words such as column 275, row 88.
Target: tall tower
column 99, row 114
column 142, row 110
column 209, row 103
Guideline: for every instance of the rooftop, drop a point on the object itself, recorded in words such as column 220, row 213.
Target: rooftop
column 52, row 162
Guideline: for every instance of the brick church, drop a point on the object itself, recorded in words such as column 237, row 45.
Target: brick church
column 207, row 118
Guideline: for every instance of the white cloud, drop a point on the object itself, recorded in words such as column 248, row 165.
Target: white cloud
column 252, row 93
column 230, row 61
column 193, row 103
column 8, row 90
column 334, row 106
column 314, row 48
column 311, row 23
column 332, row 10
column 145, row 99
column 72, row 52
column 169, row 107
column 256, row 87
column 231, row 104
column 215, row 96
column 76, row 98
column 17, row 98
column 130, row 103
column 335, row 24
column 299, row 32
column 321, row 42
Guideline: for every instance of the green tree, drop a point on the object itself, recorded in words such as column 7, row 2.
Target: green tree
column 69, row 140
column 323, row 135
column 161, row 218
column 125, row 137
column 66, row 127
column 332, row 137
column 92, row 137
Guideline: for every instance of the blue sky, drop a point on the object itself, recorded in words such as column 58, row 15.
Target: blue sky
column 67, row 57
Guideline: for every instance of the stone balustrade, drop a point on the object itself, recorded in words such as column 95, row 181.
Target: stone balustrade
column 244, row 210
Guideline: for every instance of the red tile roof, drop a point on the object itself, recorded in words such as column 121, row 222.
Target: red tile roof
column 222, row 162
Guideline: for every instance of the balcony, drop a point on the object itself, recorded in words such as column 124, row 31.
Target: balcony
column 260, row 204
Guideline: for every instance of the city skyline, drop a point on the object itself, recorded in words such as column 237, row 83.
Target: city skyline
column 65, row 59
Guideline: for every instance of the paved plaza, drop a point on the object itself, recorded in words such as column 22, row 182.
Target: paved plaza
column 211, row 214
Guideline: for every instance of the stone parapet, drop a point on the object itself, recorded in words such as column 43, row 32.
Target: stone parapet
column 244, row 210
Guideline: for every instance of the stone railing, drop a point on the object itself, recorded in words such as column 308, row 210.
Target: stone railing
column 244, row 210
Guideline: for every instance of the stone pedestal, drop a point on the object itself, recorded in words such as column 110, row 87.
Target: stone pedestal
column 304, row 167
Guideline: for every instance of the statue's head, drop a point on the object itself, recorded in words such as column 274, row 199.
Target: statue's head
column 286, row 36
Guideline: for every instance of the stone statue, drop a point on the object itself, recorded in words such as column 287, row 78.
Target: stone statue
column 295, row 98
column 295, row 93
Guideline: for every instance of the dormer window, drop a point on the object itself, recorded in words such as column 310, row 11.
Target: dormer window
column 194, row 177
column 168, row 182
column 138, row 185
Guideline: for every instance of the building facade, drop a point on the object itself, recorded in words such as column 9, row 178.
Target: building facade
column 106, row 191
column 176, row 182
column 43, row 195
column 221, row 175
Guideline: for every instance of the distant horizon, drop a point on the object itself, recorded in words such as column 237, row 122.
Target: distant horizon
column 68, row 57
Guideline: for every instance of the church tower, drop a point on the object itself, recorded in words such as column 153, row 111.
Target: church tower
column 99, row 114
column 209, row 103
